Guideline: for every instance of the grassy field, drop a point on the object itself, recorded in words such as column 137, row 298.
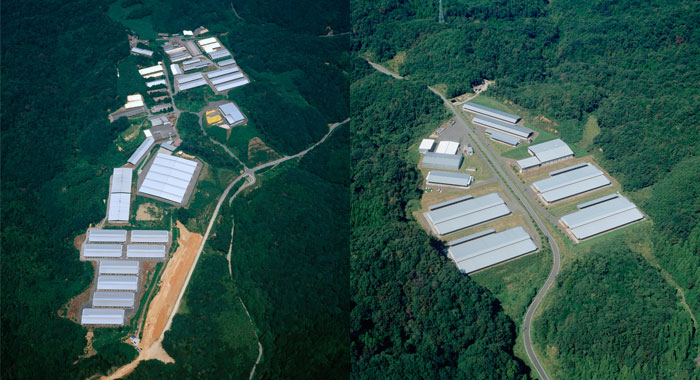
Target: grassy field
column 142, row 27
column 590, row 131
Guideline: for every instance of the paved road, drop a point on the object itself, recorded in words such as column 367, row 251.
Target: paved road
column 508, row 182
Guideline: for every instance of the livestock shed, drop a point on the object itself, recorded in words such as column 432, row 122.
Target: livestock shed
column 226, row 62
column 102, row 250
column 467, row 213
column 144, row 52
column 150, row 236
column 491, row 248
column 114, row 282
column 447, row 147
column 232, row 84
column 113, row 299
column 96, row 235
column 220, row 72
column 471, row 237
column 141, row 151
column 226, row 78
column 195, row 66
column 118, row 207
column 180, row 80
column 192, row 84
column 483, row 110
column 207, row 41
column 606, row 198
column 170, row 178
column 545, row 153
column 231, row 113
column 158, row 82
column 152, row 71
column 514, row 130
column 146, row 251
column 503, row 138
column 192, row 48
column 426, row 146
column 118, row 267
column 220, row 54
column 570, row 183
column 601, row 217
column 439, row 177
column 434, row 160
column 92, row 316
column 450, row 202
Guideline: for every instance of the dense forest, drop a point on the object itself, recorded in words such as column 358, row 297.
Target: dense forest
column 633, row 67
column 414, row 315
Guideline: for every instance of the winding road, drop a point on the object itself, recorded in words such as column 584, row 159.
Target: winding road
column 509, row 184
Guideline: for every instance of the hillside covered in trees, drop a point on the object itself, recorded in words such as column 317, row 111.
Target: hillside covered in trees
column 414, row 315
column 630, row 66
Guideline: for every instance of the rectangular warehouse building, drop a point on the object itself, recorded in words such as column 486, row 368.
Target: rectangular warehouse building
column 447, row 147
column 546, row 153
column 503, row 138
column 467, row 213
column 102, row 250
column 102, row 317
column 426, row 146
column 232, row 114
column 150, row 236
column 118, row 267
column 442, row 161
column 146, row 251
column 450, row 202
column 117, row 283
column 141, row 151
column 121, row 180
column 570, row 183
column 438, row 177
column 96, row 235
column 519, row 132
column 113, row 299
column 118, row 207
column 169, row 178
column 483, row 110
column 491, row 248
column 226, row 62
column 601, row 217
column 232, row 84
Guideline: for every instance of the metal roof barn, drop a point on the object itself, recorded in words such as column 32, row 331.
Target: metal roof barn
column 567, row 169
column 102, row 317
column 602, row 217
column 232, row 114
column 551, row 151
column 193, row 84
column 151, row 70
column 107, row 282
column 207, row 41
column 528, row 163
column 220, row 72
column 137, row 50
column 447, row 147
column 596, row 201
column 106, row 236
column 232, row 84
column 148, row 251
column 195, row 66
column 211, row 48
column 467, row 213
column 169, row 177
column 503, row 138
column 442, row 161
column 426, row 145
column 118, row 207
column 191, row 61
column 226, row 62
column 155, row 83
column 226, row 78
column 450, row 202
column 520, row 132
column 102, row 250
column 141, row 151
column 150, row 236
column 220, row 54
column 449, row 178
column 571, row 183
column 118, row 267
column 188, row 78
column 492, row 249
column 192, row 48
column 113, row 299
column 500, row 115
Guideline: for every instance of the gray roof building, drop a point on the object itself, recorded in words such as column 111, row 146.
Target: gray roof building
column 96, row 235
column 102, row 250
column 503, row 138
column 442, row 161
column 500, row 126
column 113, row 299
column 107, row 282
column 150, row 236
column 571, row 183
column 450, row 202
column 148, row 251
column 601, row 217
column 439, row 177
column 468, row 213
column 141, row 151
column 91, row 316
column 118, row 267
column 500, row 115
column 491, row 249
column 121, row 180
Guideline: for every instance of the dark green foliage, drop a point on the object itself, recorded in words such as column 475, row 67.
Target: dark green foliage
column 138, row 13
column 616, row 317
column 303, row 16
column 128, row 3
column 414, row 315
column 57, row 156
column 194, row 142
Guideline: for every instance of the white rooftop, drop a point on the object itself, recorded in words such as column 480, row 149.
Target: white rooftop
column 447, row 147
column 426, row 144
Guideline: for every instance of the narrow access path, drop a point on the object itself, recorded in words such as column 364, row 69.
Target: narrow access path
column 384, row 70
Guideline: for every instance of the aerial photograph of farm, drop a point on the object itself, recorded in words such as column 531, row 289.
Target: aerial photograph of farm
column 444, row 189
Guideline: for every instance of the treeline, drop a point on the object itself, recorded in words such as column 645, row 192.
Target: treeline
column 59, row 80
column 194, row 142
column 616, row 317
column 414, row 315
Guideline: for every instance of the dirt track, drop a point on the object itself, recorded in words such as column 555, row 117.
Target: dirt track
column 161, row 307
